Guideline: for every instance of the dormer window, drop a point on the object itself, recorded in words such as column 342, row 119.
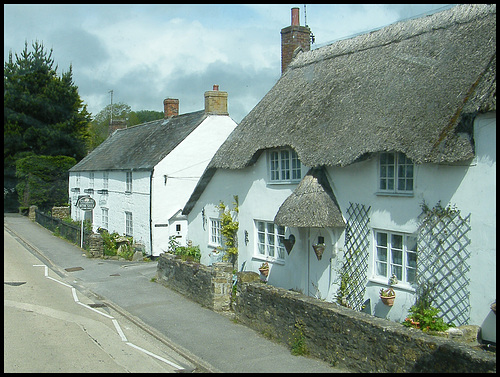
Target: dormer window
column 395, row 173
column 284, row 165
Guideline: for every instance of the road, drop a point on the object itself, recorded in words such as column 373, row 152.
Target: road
column 49, row 326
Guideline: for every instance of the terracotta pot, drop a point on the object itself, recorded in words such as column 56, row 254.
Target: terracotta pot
column 264, row 271
column 389, row 301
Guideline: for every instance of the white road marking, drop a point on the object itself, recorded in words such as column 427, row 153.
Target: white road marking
column 119, row 329
column 156, row 356
column 115, row 322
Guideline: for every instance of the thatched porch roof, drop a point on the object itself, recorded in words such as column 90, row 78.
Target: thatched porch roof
column 312, row 204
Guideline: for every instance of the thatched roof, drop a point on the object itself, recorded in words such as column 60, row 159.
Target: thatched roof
column 312, row 204
column 141, row 147
column 406, row 87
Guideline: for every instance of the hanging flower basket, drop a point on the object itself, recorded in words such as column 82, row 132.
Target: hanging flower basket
column 264, row 269
column 319, row 250
column 387, row 296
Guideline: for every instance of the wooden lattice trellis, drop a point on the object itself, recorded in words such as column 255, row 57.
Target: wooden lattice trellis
column 355, row 264
column 442, row 261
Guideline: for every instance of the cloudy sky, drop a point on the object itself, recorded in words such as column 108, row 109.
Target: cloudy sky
column 146, row 53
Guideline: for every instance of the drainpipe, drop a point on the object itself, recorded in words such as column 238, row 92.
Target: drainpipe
column 150, row 212
column 308, row 255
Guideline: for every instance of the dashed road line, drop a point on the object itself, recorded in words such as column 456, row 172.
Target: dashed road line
column 115, row 322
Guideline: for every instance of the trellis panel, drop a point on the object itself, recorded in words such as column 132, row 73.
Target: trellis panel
column 357, row 244
column 442, row 260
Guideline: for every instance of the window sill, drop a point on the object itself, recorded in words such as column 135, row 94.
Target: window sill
column 263, row 258
column 400, row 194
column 400, row 286
column 128, row 192
column 294, row 182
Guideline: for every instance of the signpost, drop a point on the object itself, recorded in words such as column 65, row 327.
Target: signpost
column 85, row 203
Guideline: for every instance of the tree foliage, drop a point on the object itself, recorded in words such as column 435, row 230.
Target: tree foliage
column 43, row 180
column 43, row 112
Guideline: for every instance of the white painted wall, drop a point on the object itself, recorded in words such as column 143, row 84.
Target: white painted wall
column 183, row 167
column 117, row 201
column 470, row 188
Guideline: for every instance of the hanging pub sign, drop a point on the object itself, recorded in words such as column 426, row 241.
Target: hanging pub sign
column 86, row 203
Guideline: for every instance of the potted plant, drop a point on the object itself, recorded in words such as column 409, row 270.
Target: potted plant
column 387, row 296
column 264, row 269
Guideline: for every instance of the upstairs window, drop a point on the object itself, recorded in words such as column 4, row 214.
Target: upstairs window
column 129, row 182
column 105, row 179
column 284, row 165
column 91, row 179
column 395, row 173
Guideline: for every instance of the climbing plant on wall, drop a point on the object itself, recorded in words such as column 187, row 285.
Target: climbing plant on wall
column 229, row 229
column 442, row 259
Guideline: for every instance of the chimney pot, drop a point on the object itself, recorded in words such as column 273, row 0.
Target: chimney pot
column 216, row 87
column 170, row 107
column 295, row 17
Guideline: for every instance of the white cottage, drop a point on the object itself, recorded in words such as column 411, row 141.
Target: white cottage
column 142, row 176
column 382, row 148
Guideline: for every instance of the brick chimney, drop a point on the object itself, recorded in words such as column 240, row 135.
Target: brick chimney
column 117, row 124
column 292, row 37
column 216, row 102
column 170, row 107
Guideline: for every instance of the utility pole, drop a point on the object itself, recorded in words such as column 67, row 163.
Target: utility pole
column 111, row 121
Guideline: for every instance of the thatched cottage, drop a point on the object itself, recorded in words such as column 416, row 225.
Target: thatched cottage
column 371, row 164
column 142, row 176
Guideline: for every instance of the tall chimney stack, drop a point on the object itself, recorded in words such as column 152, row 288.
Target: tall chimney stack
column 292, row 37
column 170, row 107
column 216, row 102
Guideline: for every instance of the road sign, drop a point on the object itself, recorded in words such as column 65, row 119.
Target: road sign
column 86, row 203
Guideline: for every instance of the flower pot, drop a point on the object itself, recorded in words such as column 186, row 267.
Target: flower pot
column 264, row 271
column 318, row 250
column 389, row 301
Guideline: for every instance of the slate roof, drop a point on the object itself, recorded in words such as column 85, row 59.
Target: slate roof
column 312, row 204
column 140, row 147
column 406, row 87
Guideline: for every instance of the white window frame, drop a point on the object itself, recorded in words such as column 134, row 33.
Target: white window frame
column 77, row 179
column 215, row 232
column 129, row 225
column 105, row 179
column 268, row 241
column 396, row 176
column 105, row 218
column 128, row 181
column 386, row 256
column 284, row 166
column 91, row 179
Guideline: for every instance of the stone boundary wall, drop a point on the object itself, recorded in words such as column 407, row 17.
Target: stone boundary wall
column 210, row 286
column 346, row 338
column 60, row 212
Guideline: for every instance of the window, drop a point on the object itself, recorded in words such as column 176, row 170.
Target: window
column 128, row 224
column 284, row 165
column 129, row 182
column 215, row 235
column 270, row 240
column 77, row 183
column 105, row 179
column 396, row 253
column 396, row 173
column 104, row 215
column 91, row 179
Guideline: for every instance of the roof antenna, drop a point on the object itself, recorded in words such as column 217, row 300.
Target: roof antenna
column 305, row 21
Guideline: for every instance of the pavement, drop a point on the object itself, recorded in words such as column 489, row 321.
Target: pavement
column 213, row 342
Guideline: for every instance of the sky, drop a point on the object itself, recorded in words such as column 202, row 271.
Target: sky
column 146, row 53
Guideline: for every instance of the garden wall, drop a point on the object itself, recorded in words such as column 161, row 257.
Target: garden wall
column 210, row 286
column 354, row 340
